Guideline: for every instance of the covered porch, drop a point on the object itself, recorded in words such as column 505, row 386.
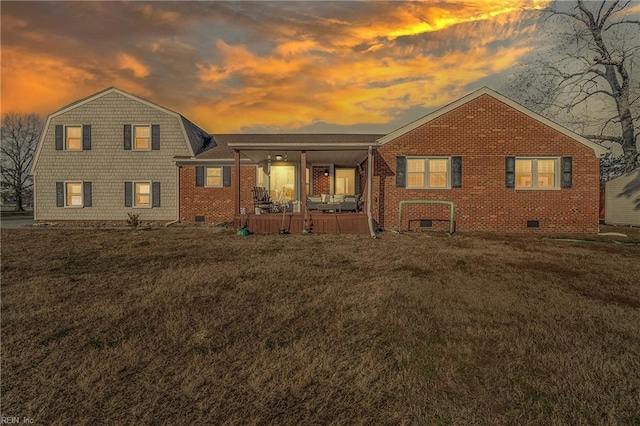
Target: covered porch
column 317, row 183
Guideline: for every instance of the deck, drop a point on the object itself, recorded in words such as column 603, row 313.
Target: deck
column 321, row 223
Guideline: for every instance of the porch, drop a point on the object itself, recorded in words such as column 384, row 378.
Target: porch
column 294, row 223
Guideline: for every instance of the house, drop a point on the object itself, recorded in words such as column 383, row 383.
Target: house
column 493, row 164
column 504, row 167
column 111, row 154
column 622, row 200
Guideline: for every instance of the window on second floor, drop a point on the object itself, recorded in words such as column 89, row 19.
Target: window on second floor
column 73, row 138
column 142, row 138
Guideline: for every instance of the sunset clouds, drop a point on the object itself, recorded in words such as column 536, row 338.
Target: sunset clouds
column 281, row 66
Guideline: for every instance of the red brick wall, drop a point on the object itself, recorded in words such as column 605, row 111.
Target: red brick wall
column 215, row 204
column 321, row 183
column 483, row 132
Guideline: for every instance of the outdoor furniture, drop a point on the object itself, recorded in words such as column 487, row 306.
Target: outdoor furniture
column 336, row 203
column 261, row 201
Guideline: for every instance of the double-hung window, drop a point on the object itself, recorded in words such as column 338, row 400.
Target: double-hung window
column 537, row 173
column 430, row 172
column 214, row 176
column 142, row 196
column 73, row 138
column 73, row 194
column 141, row 138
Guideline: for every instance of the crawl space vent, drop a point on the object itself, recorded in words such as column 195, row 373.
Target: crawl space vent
column 200, row 219
column 533, row 224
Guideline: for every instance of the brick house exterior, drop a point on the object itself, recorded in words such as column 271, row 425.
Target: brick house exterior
column 484, row 130
column 202, row 204
column 505, row 168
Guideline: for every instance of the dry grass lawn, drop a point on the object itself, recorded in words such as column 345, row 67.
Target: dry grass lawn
column 188, row 326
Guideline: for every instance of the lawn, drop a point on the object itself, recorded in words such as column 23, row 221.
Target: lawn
column 191, row 326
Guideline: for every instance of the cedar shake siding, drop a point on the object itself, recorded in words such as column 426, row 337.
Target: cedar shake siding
column 106, row 165
column 485, row 135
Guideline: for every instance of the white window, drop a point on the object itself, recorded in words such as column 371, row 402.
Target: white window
column 142, row 194
column 73, row 138
column 142, row 138
column 214, row 176
column 73, row 194
column 537, row 173
column 432, row 172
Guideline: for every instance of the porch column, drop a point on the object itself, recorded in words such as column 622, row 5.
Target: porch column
column 236, row 182
column 303, row 181
column 370, row 191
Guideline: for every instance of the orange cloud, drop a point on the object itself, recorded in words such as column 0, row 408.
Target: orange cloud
column 283, row 90
column 41, row 84
column 128, row 62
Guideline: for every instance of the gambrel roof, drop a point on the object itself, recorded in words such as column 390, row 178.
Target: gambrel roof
column 198, row 139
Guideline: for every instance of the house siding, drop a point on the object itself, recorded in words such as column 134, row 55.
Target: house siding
column 108, row 165
column 622, row 198
column 483, row 132
column 215, row 204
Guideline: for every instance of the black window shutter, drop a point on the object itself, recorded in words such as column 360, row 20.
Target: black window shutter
column 155, row 190
column 128, row 194
column 226, row 176
column 86, row 194
column 155, row 137
column 59, row 137
column 510, row 172
column 59, row 194
column 456, row 172
column 127, row 137
column 567, row 172
column 401, row 172
column 199, row 175
column 86, row 137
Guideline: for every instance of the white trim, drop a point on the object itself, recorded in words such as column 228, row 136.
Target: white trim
column 557, row 174
column 133, row 190
column 206, row 175
column 426, row 172
column 133, row 137
column 598, row 150
column 67, row 182
column 65, row 138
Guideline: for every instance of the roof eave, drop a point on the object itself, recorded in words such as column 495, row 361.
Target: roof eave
column 598, row 150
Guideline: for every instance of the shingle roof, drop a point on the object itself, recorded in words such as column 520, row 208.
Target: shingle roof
column 307, row 141
column 198, row 138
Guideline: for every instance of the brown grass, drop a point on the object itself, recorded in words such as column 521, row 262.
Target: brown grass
column 188, row 326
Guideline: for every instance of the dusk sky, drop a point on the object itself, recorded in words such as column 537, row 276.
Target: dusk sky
column 266, row 66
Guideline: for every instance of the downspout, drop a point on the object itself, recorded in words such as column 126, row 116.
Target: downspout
column 370, row 191
column 177, row 198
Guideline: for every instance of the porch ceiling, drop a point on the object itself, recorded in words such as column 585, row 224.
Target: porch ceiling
column 341, row 157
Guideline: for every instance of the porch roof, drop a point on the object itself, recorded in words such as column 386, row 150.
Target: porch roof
column 347, row 149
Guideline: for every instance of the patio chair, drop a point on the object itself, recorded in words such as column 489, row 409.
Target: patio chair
column 261, row 201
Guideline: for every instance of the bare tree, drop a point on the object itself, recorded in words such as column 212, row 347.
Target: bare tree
column 19, row 139
column 587, row 78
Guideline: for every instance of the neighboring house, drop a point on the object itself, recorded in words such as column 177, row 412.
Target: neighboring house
column 622, row 200
column 110, row 154
column 504, row 167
